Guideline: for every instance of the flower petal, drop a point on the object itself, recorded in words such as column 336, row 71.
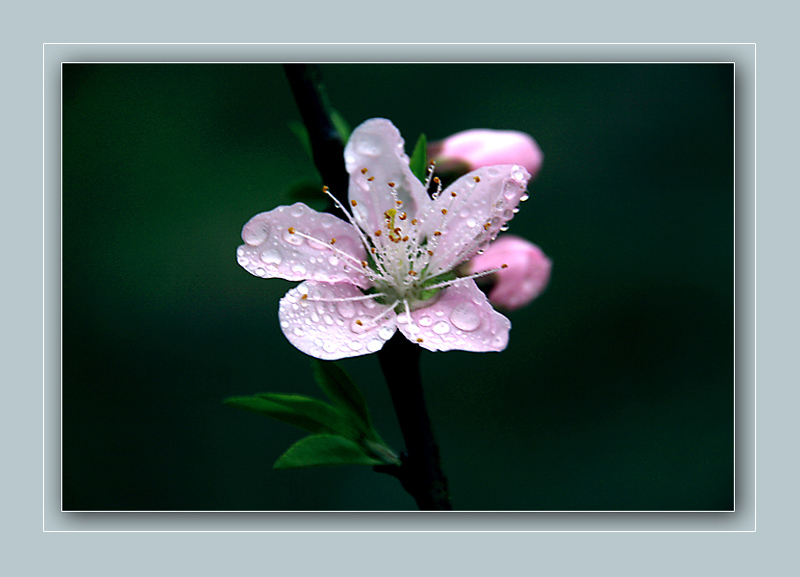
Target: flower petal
column 272, row 251
column 377, row 146
column 471, row 212
column 462, row 319
column 326, row 326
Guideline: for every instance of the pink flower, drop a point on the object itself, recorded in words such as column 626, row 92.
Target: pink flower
column 482, row 147
column 391, row 265
column 525, row 277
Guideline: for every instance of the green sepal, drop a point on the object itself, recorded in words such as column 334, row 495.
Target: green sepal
column 306, row 413
column 419, row 158
column 324, row 450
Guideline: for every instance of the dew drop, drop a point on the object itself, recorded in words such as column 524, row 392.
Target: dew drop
column 299, row 269
column 367, row 147
column 441, row 328
column 328, row 319
column 255, row 233
column 465, row 317
column 329, row 347
column 426, row 321
column 260, row 271
column 524, row 197
column 299, row 332
column 374, row 346
column 472, row 223
column 242, row 260
column 346, row 309
column 518, row 174
column 385, row 333
column 272, row 256
column 333, row 260
column 296, row 210
column 355, row 345
column 293, row 239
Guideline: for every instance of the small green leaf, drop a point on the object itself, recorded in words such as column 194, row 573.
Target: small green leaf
column 299, row 130
column 309, row 414
column 419, row 159
column 340, row 124
column 321, row 450
column 344, row 394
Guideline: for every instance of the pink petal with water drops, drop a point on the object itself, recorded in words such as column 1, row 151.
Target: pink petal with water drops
column 462, row 319
column 334, row 330
column 272, row 251
column 472, row 211
column 377, row 146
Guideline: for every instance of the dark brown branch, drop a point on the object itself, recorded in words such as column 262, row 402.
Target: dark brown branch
column 420, row 471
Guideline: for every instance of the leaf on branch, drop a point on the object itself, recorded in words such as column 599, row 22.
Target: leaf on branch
column 419, row 159
column 322, row 450
column 309, row 414
column 344, row 394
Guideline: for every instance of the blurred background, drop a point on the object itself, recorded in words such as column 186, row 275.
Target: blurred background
column 616, row 390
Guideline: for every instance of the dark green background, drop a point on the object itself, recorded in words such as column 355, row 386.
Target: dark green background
column 616, row 391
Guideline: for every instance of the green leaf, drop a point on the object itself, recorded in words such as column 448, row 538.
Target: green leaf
column 419, row 159
column 321, row 450
column 344, row 394
column 341, row 125
column 299, row 130
column 309, row 414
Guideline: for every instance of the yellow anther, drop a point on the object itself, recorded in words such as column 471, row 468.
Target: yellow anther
column 354, row 202
column 371, row 178
column 363, row 171
column 430, row 253
column 419, row 340
column 436, row 179
column 437, row 233
column 304, row 297
column 405, row 238
column 487, row 226
column 325, row 189
column 414, row 221
column 359, row 323
column 402, row 216
column 398, row 202
column 291, row 230
column 333, row 241
column 364, row 264
column 412, row 273
column 476, row 178
column 444, row 211
column 453, row 194
column 503, row 265
column 391, row 184
column 378, row 232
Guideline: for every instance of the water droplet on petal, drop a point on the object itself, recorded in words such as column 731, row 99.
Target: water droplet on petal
column 367, row 147
column 355, row 345
column 329, row 347
column 299, row 269
column 328, row 319
column 374, row 346
column 260, row 271
column 293, row 239
column 524, row 197
column 441, row 328
column 296, row 210
column 333, row 260
column 466, row 317
column 472, row 223
column 426, row 321
column 271, row 256
column 346, row 309
column 385, row 333
column 255, row 233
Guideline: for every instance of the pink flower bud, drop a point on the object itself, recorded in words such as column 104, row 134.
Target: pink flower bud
column 525, row 277
column 483, row 147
